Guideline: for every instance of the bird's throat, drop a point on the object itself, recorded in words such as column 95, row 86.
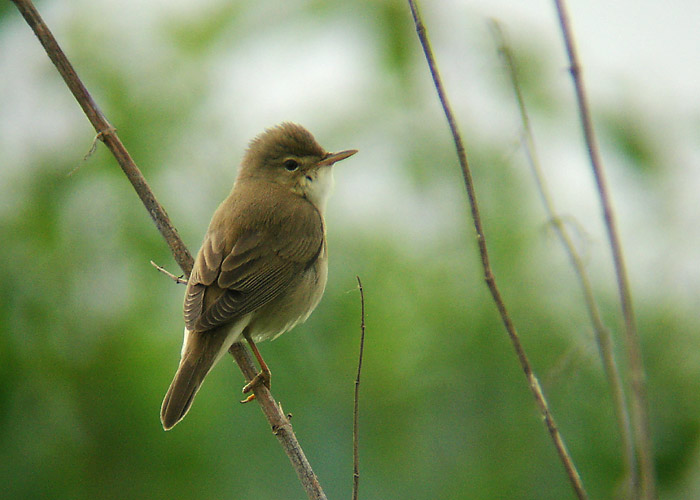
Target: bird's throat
column 317, row 187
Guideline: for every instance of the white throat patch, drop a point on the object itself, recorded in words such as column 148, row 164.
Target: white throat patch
column 318, row 185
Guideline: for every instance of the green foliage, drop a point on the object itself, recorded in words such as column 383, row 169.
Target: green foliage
column 91, row 332
column 537, row 75
column 195, row 36
column 633, row 138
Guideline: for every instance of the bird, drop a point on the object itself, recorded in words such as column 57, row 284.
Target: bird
column 263, row 265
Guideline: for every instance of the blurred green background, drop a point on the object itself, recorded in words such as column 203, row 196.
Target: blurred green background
column 90, row 333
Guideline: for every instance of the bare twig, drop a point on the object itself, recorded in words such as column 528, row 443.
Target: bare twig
column 534, row 384
column 640, row 408
column 602, row 333
column 356, row 409
column 278, row 421
column 180, row 280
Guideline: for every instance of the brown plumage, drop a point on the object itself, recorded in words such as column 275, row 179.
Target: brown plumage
column 262, row 267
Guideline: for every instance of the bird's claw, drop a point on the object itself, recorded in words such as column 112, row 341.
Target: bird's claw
column 262, row 378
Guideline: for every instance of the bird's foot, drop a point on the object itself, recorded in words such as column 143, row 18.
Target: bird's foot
column 262, row 378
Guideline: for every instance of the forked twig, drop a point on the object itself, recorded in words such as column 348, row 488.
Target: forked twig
column 640, row 406
column 278, row 421
column 180, row 280
column 533, row 383
column 602, row 333
column 356, row 408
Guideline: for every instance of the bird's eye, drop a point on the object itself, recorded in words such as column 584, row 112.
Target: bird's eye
column 291, row 165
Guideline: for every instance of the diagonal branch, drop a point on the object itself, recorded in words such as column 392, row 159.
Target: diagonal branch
column 602, row 333
column 107, row 133
column 533, row 382
column 279, row 423
column 640, row 405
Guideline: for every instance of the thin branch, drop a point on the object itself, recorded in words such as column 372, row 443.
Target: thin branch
column 180, row 280
column 356, row 409
column 602, row 333
column 275, row 416
column 106, row 133
column 640, row 406
column 533, row 383
column 279, row 423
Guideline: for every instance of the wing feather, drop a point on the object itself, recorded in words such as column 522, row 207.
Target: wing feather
column 260, row 265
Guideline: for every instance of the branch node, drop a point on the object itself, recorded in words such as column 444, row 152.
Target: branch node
column 280, row 427
column 109, row 130
column 100, row 136
column 93, row 146
column 575, row 70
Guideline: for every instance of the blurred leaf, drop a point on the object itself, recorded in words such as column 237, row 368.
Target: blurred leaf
column 632, row 136
column 197, row 34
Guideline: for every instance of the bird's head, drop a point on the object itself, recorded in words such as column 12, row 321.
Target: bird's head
column 290, row 156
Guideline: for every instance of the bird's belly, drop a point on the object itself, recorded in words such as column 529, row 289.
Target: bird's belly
column 293, row 306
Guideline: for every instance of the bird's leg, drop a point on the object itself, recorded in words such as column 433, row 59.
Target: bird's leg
column 263, row 376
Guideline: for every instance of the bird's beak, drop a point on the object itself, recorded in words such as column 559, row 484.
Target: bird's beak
column 331, row 158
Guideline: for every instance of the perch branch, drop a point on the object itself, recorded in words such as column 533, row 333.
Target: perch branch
column 640, row 408
column 572, row 473
column 278, row 421
column 602, row 333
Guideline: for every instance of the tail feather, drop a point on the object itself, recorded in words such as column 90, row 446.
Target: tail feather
column 200, row 352
column 181, row 393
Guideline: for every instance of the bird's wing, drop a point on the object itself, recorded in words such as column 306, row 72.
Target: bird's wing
column 260, row 265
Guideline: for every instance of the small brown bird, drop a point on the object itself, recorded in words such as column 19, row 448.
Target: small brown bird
column 263, row 264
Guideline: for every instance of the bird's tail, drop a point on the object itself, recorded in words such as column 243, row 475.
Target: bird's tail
column 200, row 352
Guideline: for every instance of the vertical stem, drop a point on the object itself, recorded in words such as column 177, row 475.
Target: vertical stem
column 541, row 401
column 640, row 409
column 602, row 334
column 356, row 409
